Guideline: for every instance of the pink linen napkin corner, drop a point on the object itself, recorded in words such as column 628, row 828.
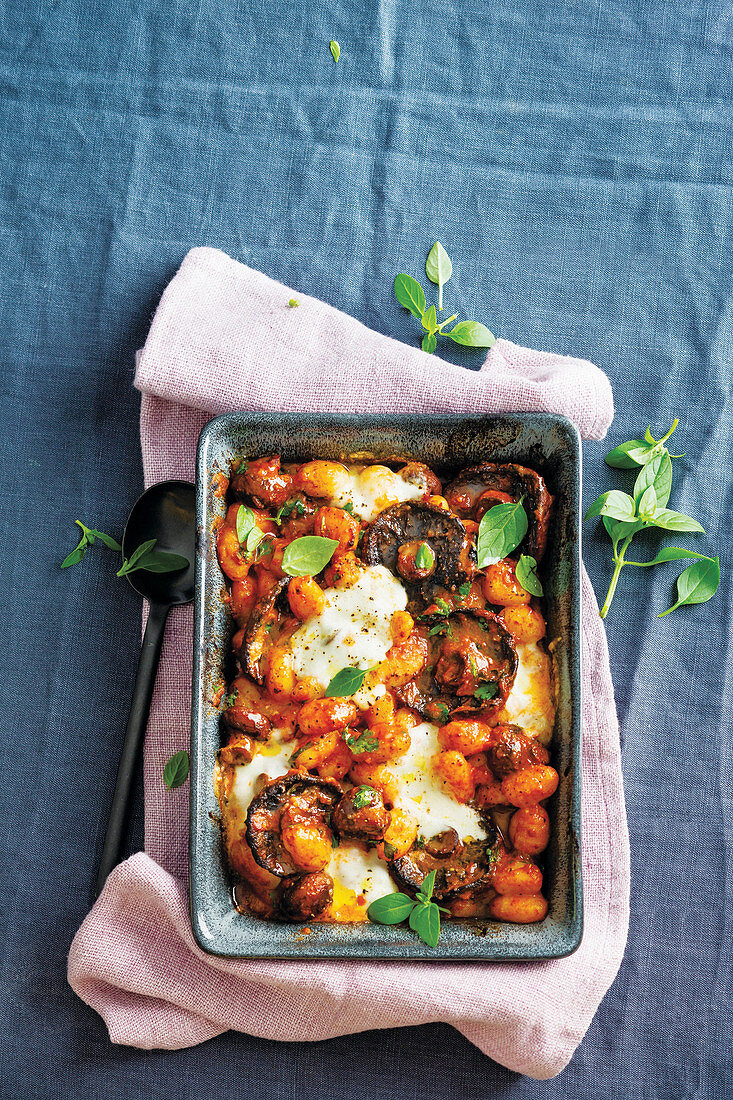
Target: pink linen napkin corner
column 224, row 338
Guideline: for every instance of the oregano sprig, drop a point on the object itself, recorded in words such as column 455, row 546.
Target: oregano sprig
column 422, row 913
column 410, row 294
column 624, row 515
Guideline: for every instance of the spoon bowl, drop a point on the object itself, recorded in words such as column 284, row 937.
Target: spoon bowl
column 165, row 512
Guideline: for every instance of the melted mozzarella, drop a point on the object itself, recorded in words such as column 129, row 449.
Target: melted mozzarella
column 426, row 797
column 372, row 489
column 352, row 631
column 360, row 872
column 271, row 760
column 530, row 703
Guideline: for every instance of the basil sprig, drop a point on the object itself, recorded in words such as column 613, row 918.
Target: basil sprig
column 422, row 913
column 143, row 557
column 307, row 556
column 88, row 537
column 410, row 294
column 347, row 681
column 176, row 769
column 624, row 515
column 500, row 531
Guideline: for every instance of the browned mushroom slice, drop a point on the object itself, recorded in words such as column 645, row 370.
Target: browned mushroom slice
column 361, row 815
column 303, row 897
column 310, row 797
column 496, row 482
column 417, row 473
column 511, row 750
column 465, row 868
column 397, row 532
column 470, row 670
column 263, row 482
column 266, row 625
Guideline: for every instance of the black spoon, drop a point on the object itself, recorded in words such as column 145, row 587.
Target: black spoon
column 166, row 512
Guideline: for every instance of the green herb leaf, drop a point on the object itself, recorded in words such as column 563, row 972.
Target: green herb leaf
column 619, row 529
column 159, row 561
column 230, row 700
column 425, row 920
column 335, row 50
column 696, row 584
column 363, row 742
column 347, row 681
column 527, row 575
column 429, row 321
column 669, row 520
column 670, row 553
column 648, row 436
column 254, row 538
column 648, row 503
column 175, row 771
column 657, row 473
column 472, row 334
column 307, row 556
column 500, row 531
column 424, row 557
column 364, row 796
column 245, row 523
column 109, row 542
column 410, row 294
column 486, row 691
column 428, row 885
column 134, row 558
column 76, row 555
column 464, row 589
column 391, row 909
column 293, row 303
column 438, row 268
column 614, row 504
column 627, row 456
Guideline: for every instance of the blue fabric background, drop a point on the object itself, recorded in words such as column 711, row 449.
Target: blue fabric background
column 574, row 156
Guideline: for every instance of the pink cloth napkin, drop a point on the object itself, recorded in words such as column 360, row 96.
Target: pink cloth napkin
column 224, row 338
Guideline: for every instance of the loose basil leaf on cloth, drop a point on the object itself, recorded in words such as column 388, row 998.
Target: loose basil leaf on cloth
column 629, row 455
column 109, row 542
column 88, row 537
column 245, row 523
column 175, row 771
column 500, row 531
column 438, row 268
column 335, row 50
column 472, row 334
column 307, row 556
column 410, row 294
column 614, row 504
column 347, row 681
column 527, row 575
column 391, row 909
column 696, row 584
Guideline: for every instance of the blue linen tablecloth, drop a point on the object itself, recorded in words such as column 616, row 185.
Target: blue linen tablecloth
column 575, row 160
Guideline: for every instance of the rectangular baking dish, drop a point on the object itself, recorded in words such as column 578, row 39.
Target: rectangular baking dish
column 545, row 442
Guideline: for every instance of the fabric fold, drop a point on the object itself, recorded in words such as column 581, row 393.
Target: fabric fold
column 224, row 338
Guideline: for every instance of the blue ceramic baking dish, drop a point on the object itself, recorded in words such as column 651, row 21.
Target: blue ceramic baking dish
column 544, row 442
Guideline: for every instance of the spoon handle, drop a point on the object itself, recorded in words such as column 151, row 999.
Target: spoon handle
column 134, row 734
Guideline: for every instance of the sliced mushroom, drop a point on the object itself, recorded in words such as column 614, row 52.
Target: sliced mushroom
column 417, row 473
column 303, row 897
column 358, row 819
column 465, row 868
column 313, row 798
column 263, row 482
column 511, row 750
column 265, row 627
column 470, row 651
column 409, row 525
column 496, row 482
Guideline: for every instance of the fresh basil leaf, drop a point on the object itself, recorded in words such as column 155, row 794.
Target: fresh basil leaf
column 335, row 50
column 438, row 268
column 364, row 742
column 429, row 343
column 614, row 504
column 425, row 920
column 364, row 796
column 648, row 502
column 76, row 555
column 109, row 542
column 129, row 563
column 670, row 553
column 410, row 294
column 159, row 561
column 429, row 321
column 464, row 589
column 307, row 556
column 175, row 771
column 254, row 538
column 629, row 455
column 649, row 437
column 347, row 681
column 500, row 531
column 696, row 584
column 428, row 885
column 391, row 909
column 245, row 523
column 472, row 334
column 658, row 473
column 293, row 303
column 424, row 557
column 619, row 529
column 669, row 520
column 527, row 575
column 486, row 691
